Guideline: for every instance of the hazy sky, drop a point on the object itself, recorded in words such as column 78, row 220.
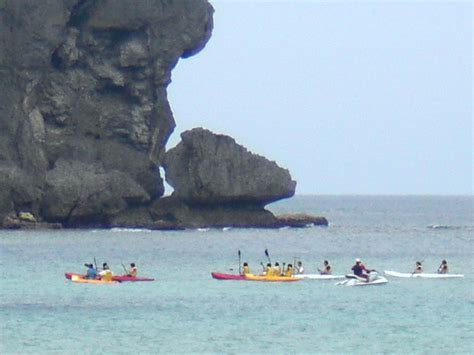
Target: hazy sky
column 351, row 97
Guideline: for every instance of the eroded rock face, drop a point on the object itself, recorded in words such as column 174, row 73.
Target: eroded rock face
column 84, row 116
column 210, row 169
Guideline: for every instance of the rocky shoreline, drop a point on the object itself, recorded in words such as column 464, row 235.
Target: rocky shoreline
column 290, row 221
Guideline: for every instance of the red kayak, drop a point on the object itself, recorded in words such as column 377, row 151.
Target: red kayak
column 219, row 276
column 121, row 278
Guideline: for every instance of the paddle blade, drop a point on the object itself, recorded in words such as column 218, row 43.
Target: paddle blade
column 266, row 252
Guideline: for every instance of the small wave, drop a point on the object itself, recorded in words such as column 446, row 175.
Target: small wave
column 225, row 229
column 440, row 226
column 203, row 229
column 130, row 230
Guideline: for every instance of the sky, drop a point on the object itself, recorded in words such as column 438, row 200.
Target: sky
column 350, row 97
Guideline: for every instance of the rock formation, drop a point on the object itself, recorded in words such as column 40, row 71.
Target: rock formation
column 219, row 183
column 84, row 120
column 84, row 116
column 210, row 169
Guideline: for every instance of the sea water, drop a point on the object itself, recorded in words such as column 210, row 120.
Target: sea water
column 186, row 311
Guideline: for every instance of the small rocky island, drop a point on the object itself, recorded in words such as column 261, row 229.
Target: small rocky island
column 84, row 121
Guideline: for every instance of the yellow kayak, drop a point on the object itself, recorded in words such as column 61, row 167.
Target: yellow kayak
column 80, row 279
column 265, row 278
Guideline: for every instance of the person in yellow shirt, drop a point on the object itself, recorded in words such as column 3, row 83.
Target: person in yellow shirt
column 106, row 273
column 245, row 269
column 268, row 270
column 277, row 269
column 289, row 271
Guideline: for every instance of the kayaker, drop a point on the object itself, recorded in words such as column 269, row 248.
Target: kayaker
column 326, row 270
column 289, row 271
column 360, row 270
column 106, row 273
column 443, row 268
column 418, row 268
column 277, row 269
column 245, row 269
column 268, row 270
column 133, row 270
column 299, row 268
column 91, row 272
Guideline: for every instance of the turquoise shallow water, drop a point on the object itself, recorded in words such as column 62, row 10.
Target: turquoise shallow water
column 186, row 311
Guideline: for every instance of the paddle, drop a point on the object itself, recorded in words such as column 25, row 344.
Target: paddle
column 126, row 271
column 95, row 263
column 268, row 256
column 240, row 268
column 294, row 264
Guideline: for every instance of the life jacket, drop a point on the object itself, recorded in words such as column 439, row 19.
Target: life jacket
column 246, row 270
column 107, row 275
column 289, row 272
column 269, row 271
column 133, row 272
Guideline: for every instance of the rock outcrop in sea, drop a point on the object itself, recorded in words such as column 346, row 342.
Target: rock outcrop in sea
column 84, row 120
column 217, row 182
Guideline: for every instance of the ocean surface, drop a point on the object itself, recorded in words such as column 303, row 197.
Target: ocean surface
column 186, row 311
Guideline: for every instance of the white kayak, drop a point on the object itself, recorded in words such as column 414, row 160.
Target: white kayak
column 423, row 275
column 353, row 280
column 319, row 277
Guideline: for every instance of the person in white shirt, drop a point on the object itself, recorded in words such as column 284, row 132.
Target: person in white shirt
column 299, row 268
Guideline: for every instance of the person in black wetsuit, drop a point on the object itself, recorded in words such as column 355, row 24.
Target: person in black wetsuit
column 360, row 270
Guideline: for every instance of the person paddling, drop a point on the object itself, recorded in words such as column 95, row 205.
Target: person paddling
column 360, row 270
column 277, row 269
column 268, row 270
column 289, row 271
column 418, row 268
column 299, row 268
column 245, row 269
column 133, row 270
column 443, row 268
column 326, row 270
column 91, row 272
column 106, row 273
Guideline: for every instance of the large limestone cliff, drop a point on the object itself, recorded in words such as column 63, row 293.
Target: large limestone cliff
column 84, row 116
column 84, row 120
